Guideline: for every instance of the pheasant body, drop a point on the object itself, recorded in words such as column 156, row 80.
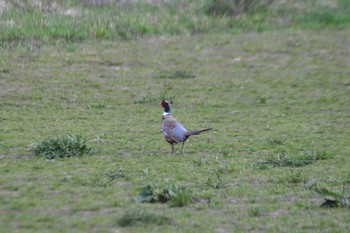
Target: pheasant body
column 173, row 131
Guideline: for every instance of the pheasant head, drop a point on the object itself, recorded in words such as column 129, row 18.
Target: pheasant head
column 166, row 106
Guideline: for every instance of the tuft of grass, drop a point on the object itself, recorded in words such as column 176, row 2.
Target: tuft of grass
column 66, row 146
column 180, row 197
column 215, row 181
column 284, row 160
column 140, row 217
column 255, row 212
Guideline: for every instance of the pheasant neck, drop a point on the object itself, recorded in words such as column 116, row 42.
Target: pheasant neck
column 166, row 110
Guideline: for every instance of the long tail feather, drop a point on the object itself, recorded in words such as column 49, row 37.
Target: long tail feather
column 196, row 132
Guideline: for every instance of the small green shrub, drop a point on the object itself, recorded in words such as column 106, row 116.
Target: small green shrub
column 142, row 217
column 177, row 197
column 66, row 146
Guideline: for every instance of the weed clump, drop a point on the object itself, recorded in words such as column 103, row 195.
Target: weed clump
column 175, row 196
column 66, row 146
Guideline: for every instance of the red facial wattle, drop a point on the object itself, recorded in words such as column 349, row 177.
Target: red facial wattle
column 164, row 103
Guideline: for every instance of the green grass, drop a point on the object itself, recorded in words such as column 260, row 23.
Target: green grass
column 53, row 22
column 141, row 217
column 278, row 92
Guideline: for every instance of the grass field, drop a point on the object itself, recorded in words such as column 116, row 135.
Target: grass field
column 277, row 99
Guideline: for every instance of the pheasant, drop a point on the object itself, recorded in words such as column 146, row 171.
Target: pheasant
column 173, row 131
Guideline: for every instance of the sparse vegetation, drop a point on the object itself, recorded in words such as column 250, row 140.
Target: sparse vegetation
column 139, row 217
column 295, row 177
column 111, row 175
column 236, row 7
column 284, row 160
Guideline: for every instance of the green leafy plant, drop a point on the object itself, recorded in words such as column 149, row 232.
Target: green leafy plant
column 147, row 194
column 66, row 146
column 331, row 198
column 177, row 197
